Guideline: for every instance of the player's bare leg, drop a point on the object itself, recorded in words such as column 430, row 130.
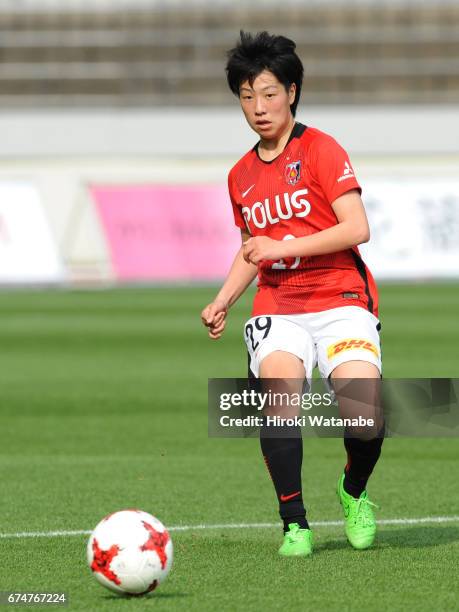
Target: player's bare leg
column 282, row 448
column 357, row 386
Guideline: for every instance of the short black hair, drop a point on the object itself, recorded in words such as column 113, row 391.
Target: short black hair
column 264, row 51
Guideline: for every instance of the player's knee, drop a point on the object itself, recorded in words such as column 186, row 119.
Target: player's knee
column 372, row 432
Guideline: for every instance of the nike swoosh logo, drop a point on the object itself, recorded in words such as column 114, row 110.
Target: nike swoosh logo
column 249, row 189
column 285, row 498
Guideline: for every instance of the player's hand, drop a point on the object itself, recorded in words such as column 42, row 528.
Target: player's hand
column 261, row 248
column 214, row 318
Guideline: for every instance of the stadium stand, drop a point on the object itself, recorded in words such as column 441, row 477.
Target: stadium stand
column 148, row 53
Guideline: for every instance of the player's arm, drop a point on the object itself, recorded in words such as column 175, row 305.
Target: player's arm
column 351, row 230
column 239, row 278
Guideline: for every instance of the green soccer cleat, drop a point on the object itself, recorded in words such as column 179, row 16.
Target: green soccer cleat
column 359, row 518
column 297, row 542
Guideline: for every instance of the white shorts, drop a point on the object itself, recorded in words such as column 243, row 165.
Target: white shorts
column 324, row 339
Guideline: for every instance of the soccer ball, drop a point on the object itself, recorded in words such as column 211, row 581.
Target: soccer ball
column 130, row 552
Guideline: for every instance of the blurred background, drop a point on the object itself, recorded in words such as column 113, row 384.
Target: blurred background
column 118, row 130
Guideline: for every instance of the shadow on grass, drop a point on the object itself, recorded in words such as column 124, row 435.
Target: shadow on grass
column 422, row 536
column 145, row 598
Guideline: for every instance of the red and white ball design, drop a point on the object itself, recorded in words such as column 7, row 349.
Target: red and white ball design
column 130, row 551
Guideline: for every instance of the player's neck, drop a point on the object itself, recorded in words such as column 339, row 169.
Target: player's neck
column 269, row 149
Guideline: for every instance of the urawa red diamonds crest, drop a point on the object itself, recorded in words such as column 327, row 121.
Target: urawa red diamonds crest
column 292, row 173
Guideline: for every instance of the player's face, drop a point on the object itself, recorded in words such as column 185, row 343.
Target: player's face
column 266, row 105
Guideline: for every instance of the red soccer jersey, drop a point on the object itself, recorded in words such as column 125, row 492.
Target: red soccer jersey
column 290, row 197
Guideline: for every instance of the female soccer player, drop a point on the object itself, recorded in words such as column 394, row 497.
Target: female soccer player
column 297, row 203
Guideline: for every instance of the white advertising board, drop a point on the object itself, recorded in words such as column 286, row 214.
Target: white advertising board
column 414, row 228
column 28, row 252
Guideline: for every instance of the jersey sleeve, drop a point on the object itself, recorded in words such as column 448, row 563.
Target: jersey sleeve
column 333, row 169
column 237, row 211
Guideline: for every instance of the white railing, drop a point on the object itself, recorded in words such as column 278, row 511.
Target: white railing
column 204, row 37
column 212, row 69
column 65, row 6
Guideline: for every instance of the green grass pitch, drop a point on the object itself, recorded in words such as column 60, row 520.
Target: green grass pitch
column 103, row 407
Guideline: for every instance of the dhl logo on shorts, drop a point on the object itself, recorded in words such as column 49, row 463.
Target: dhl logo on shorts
column 352, row 343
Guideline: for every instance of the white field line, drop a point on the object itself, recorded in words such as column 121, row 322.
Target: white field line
column 395, row 521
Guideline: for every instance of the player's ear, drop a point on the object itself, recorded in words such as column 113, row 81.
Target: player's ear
column 291, row 93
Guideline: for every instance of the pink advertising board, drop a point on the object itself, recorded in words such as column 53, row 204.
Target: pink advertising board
column 168, row 232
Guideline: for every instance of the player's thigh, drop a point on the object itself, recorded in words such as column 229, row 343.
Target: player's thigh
column 357, row 386
column 282, row 355
column 349, row 352
column 356, row 369
column 282, row 364
column 279, row 346
column 283, row 375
